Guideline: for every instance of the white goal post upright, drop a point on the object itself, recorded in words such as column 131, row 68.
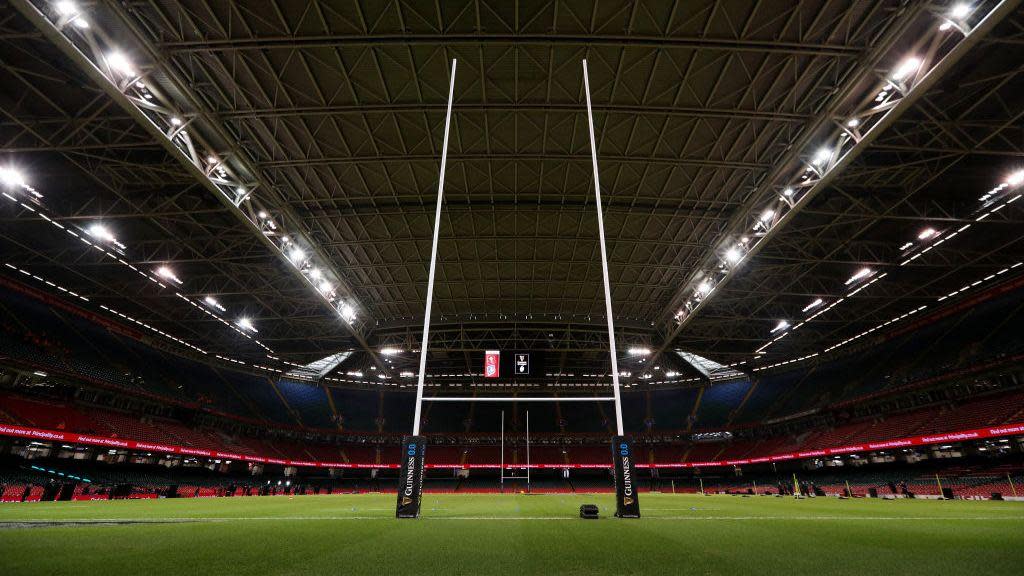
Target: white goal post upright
column 501, row 466
column 627, row 503
column 413, row 447
column 604, row 258
column 410, row 487
column 433, row 259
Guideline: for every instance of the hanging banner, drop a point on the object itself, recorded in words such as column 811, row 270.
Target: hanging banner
column 410, row 481
column 522, row 364
column 492, row 363
column 627, row 502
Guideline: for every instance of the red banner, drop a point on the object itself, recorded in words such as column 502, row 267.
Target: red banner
column 492, row 364
column 119, row 443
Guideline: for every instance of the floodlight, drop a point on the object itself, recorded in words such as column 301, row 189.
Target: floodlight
column 782, row 325
column 66, row 8
column 822, row 156
column 926, row 234
column 906, row 68
column 960, row 11
column 11, row 178
column 119, row 62
column 167, row 273
column 817, row 302
column 214, row 303
column 101, row 232
column 733, row 255
column 862, row 273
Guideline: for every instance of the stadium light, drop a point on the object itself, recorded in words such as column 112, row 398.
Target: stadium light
column 862, row 273
column 960, row 11
column 316, row 274
column 1015, row 179
column 788, row 192
column 168, row 274
column 325, row 287
column 175, row 121
column 926, row 234
column 66, row 8
column 767, row 216
column 906, row 68
column 11, row 177
column 733, row 255
column 853, row 122
column 390, row 351
column 214, row 303
column 69, row 10
column 822, row 157
column 817, row 302
column 354, row 374
column 704, row 288
column 246, row 324
column 101, row 232
column 639, row 351
column 782, row 325
column 406, row 374
column 297, row 256
column 347, row 311
column 119, row 62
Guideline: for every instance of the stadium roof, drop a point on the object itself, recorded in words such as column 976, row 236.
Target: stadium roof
column 762, row 162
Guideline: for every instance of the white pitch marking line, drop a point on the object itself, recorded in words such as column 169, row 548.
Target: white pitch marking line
column 488, row 518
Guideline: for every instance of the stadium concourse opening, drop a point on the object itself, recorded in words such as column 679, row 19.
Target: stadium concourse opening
column 276, row 273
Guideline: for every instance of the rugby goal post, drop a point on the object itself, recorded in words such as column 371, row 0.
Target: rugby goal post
column 410, row 488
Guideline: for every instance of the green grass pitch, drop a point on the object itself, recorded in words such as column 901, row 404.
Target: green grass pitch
column 512, row 535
